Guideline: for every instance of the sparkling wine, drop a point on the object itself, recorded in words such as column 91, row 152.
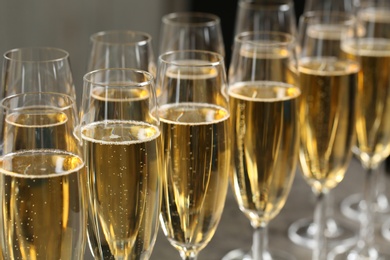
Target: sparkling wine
column 327, row 117
column 373, row 98
column 196, row 160
column 123, row 167
column 44, row 212
column 264, row 120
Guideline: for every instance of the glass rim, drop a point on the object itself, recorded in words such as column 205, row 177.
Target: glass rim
column 289, row 38
column 57, row 53
column 175, row 19
column 140, row 38
column 70, row 102
column 311, row 17
column 219, row 58
column 283, row 5
column 149, row 77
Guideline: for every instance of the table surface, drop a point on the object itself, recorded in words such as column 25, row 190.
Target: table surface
column 234, row 230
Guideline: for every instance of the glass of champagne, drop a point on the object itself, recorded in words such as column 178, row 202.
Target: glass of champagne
column 302, row 231
column 351, row 205
column 372, row 49
column 121, row 49
column 44, row 213
column 191, row 31
column 328, row 82
column 264, row 102
column 194, row 116
column 121, row 140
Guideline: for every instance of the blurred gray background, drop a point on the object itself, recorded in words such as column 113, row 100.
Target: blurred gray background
column 69, row 24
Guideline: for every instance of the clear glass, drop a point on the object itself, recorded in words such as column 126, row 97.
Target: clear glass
column 338, row 233
column 120, row 133
column 191, row 31
column 44, row 213
column 351, row 205
column 265, row 15
column 265, row 131
column 386, row 230
column 194, row 113
column 328, row 82
column 372, row 48
column 121, row 49
column 37, row 69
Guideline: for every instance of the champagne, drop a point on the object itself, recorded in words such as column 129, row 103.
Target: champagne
column 196, row 159
column 123, row 168
column 264, row 120
column 272, row 65
column 43, row 208
column 327, row 117
column 373, row 99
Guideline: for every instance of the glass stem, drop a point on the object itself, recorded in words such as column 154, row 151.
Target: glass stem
column 320, row 218
column 260, row 243
column 188, row 255
column 367, row 207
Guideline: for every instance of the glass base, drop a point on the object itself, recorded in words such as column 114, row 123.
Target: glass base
column 241, row 254
column 386, row 230
column 302, row 233
column 356, row 254
column 350, row 207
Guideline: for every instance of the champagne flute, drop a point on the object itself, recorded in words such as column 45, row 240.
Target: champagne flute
column 121, row 49
column 262, row 15
column 265, row 15
column 372, row 49
column 43, row 202
column 302, row 231
column 328, row 83
column 194, row 116
column 264, row 96
column 120, row 134
column 191, row 31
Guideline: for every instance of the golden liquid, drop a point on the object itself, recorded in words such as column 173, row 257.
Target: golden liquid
column 196, row 159
column 43, row 207
column 264, row 120
column 373, row 99
column 256, row 63
column 123, row 168
column 327, row 117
